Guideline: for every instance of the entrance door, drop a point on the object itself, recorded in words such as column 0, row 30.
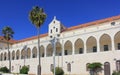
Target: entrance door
column 106, row 68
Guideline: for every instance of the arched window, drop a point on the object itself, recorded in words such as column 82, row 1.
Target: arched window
column 106, row 68
column 69, row 67
column 51, row 67
column 118, row 65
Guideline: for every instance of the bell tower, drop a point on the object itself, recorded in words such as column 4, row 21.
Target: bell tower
column 55, row 28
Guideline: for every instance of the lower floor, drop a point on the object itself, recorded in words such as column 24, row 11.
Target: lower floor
column 71, row 64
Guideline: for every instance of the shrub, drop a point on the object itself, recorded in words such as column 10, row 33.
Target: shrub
column 116, row 73
column 4, row 69
column 58, row 71
column 24, row 70
column 95, row 68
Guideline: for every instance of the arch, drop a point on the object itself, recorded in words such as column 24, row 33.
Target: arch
column 68, row 48
column 91, row 44
column 28, row 53
column 18, row 54
column 58, row 48
column 13, row 55
column 49, row 50
column 117, row 41
column 42, row 49
column 107, row 68
column 105, row 42
column 79, row 46
column 23, row 54
column 34, row 52
column 5, row 56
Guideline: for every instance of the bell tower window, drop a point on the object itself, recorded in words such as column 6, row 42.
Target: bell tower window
column 56, row 29
column 51, row 31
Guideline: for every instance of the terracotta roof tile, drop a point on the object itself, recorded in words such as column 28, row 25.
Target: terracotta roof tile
column 31, row 38
column 94, row 23
column 11, row 41
column 75, row 27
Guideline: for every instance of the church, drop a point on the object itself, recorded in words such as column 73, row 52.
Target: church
column 78, row 46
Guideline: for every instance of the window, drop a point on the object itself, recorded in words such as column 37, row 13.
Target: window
column 13, row 58
column 17, row 57
column 69, row 67
column 105, row 47
column 118, row 46
column 51, row 67
column 33, row 56
column 94, row 49
column 112, row 23
column 51, row 31
column 66, row 52
column 118, row 65
column 42, row 54
column 56, row 29
column 80, row 50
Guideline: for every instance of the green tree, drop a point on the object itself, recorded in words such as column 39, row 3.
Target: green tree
column 8, row 34
column 24, row 70
column 95, row 68
column 37, row 17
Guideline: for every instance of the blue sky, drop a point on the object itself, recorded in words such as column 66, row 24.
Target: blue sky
column 14, row 13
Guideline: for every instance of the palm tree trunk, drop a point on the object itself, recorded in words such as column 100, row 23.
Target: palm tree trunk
column 39, row 65
column 9, row 57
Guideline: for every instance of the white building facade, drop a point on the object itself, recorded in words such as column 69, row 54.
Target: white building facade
column 97, row 41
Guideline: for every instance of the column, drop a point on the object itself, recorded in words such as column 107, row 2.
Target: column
column 112, row 43
column 85, row 47
column 73, row 49
column 45, row 52
column 62, row 53
column 98, row 45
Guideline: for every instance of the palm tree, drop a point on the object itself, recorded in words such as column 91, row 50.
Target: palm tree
column 37, row 17
column 8, row 34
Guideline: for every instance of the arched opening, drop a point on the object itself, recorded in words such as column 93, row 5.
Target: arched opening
column 17, row 54
column 79, row 46
column 23, row 54
column 49, row 50
column 107, row 68
column 91, row 44
column 34, row 52
column 5, row 56
column 13, row 55
column 28, row 53
column 105, row 43
column 117, row 41
column 58, row 49
column 42, row 51
column 68, row 48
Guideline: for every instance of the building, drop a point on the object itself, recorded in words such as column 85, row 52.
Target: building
column 77, row 46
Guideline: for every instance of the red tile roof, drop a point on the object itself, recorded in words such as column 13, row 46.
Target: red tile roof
column 31, row 38
column 93, row 23
column 74, row 27
column 10, row 41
